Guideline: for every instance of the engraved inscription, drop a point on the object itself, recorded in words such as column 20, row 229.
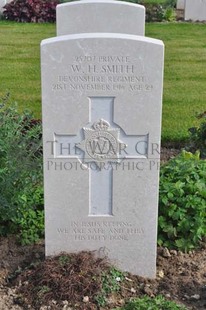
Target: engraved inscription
column 102, row 231
column 103, row 73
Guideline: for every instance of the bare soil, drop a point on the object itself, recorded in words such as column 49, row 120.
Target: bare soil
column 75, row 281
column 168, row 153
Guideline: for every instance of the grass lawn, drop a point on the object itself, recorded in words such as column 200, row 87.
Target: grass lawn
column 20, row 62
column 184, row 75
column 184, row 81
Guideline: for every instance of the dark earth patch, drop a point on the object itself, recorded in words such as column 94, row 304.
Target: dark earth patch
column 74, row 280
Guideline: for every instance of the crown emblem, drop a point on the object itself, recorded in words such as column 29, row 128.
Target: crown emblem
column 101, row 143
column 101, row 125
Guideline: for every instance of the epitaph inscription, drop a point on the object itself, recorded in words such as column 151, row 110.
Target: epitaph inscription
column 112, row 231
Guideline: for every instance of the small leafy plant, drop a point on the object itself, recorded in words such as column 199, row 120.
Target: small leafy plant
column 148, row 303
column 41, row 290
column 21, row 175
column 64, row 260
column 182, row 202
column 111, row 281
column 169, row 14
column 197, row 139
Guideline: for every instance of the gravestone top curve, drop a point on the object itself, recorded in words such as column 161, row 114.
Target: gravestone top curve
column 100, row 16
column 102, row 35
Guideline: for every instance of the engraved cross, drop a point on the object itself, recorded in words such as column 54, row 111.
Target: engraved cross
column 102, row 143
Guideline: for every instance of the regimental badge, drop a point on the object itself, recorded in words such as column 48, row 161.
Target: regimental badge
column 101, row 144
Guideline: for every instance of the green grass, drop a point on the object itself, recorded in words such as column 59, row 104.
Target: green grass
column 184, row 79
column 20, row 62
column 148, row 303
column 184, row 75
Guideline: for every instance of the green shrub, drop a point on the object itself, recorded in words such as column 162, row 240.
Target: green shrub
column 182, row 202
column 157, row 10
column 154, row 12
column 148, row 303
column 169, row 14
column 171, row 3
column 21, row 185
column 197, row 139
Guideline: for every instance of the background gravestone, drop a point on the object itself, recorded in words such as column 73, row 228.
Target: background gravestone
column 100, row 16
column 101, row 97
column 3, row 3
column 195, row 10
column 180, row 4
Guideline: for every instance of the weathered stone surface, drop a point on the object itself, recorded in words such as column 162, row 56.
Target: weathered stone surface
column 90, row 16
column 180, row 4
column 101, row 96
column 3, row 3
column 195, row 10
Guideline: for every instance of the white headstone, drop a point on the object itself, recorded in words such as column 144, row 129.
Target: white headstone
column 195, row 10
column 2, row 4
column 101, row 97
column 100, row 16
column 180, row 4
